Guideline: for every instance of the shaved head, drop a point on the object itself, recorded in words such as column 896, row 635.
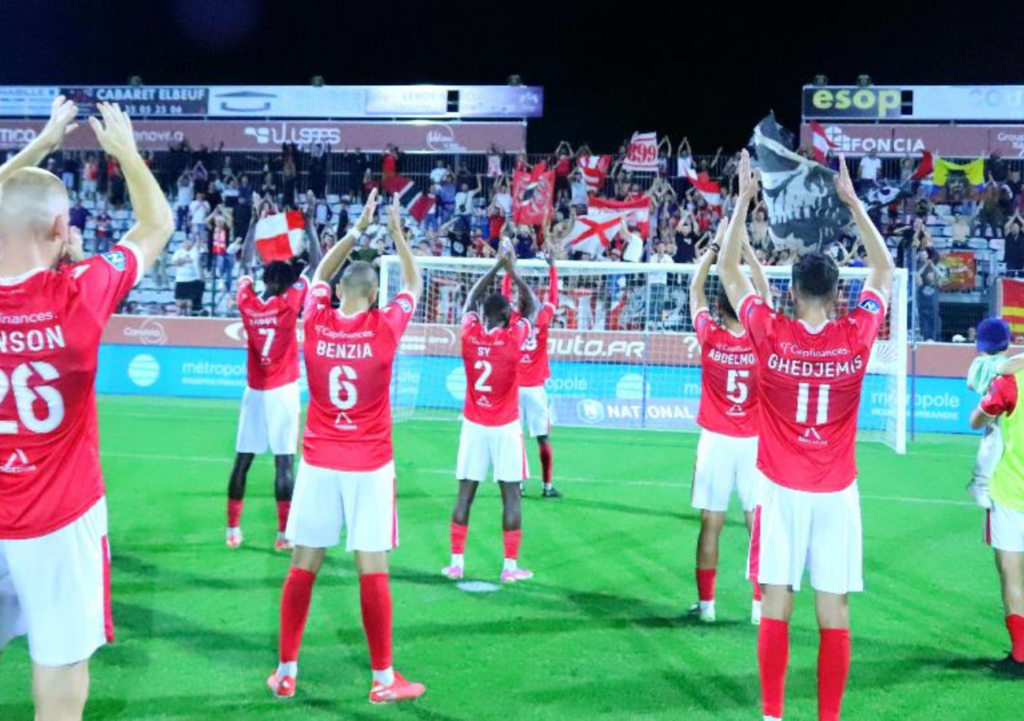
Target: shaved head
column 33, row 210
column 359, row 282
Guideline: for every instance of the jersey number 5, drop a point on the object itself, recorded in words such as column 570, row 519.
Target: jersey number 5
column 25, row 398
column 736, row 390
column 342, row 390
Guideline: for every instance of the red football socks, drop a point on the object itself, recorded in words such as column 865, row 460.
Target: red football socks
column 833, row 668
column 546, row 459
column 458, row 536
column 375, row 599
column 757, row 590
column 773, row 658
column 282, row 514
column 298, row 590
column 512, row 539
column 234, row 513
column 706, row 584
column 1015, row 625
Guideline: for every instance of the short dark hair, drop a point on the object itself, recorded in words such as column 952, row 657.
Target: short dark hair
column 278, row 276
column 725, row 309
column 816, row 275
column 359, row 278
column 497, row 310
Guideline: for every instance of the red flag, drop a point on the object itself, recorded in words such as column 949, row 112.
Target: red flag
column 642, row 154
column 533, row 194
column 594, row 169
column 395, row 184
column 636, row 212
column 710, row 189
column 1012, row 305
column 925, row 167
column 821, row 142
column 280, row 236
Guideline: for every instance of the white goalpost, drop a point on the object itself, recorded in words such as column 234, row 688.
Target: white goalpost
column 622, row 348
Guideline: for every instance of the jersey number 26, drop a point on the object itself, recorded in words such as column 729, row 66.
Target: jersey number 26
column 25, row 398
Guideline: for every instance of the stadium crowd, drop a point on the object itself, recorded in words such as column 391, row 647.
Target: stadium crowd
column 217, row 194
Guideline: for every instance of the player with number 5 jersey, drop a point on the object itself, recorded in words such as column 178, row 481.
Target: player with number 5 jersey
column 811, row 376
column 492, row 438
column 269, row 417
column 729, row 420
column 347, row 474
column 54, row 555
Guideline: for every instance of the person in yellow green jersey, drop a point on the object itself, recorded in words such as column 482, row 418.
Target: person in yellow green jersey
column 1004, row 523
column 993, row 340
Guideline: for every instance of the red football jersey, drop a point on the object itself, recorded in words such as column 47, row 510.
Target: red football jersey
column 491, row 359
column 270, row 327
column 1001, row 398
column 810, row 387
column 728, row 380
column 348, row 368
column 50, row 328
column 534, row 368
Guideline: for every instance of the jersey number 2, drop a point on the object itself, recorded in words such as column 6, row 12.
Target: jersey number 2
column 485, row 373
column 25, row 398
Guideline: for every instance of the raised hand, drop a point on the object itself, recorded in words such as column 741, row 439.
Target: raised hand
column 395, row 215
column 369, row 212
column 60, row 124
column 844, row 185
column 114, row 132
column 749, row 181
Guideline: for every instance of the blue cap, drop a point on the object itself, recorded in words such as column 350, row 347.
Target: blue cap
column 993, row 335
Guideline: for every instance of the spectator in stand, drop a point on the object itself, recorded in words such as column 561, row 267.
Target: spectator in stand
column 960, row 228
column 1013, row 256
column 198, row 212
column 69, row 169
column 464, row 200
column 103, row 232
column 579, row 192
column 525, row 242
column 562, row 166
column 231, row 193
column 369, row 183
column 289, row 174
column 213, row 191
column 687, row 239
column 446, row 197
column 78, row 216
column 439, row 172
column 997, row 170
column 906, row 169
column 658, row 285
column 390, row 164
column 188, row 286
column 218, row 260
column 90, row 176
column 268, row 189
column 342, row 225
column 200, row 178
column 869, row 171
column 318, row 154
column 760, row 238
column 990, row 216
column 928, row 282
column 913, row 239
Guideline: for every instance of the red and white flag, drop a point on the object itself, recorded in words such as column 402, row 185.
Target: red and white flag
column 925, row 168
column 636, row 211
column 710, row 189
column 533, row 194
column 820, row 142
column 594, row 232
column 281, row 236
column 642, row 154
column 594, row 169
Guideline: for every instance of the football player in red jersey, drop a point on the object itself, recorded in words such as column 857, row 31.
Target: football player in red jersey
column 728, row 417
column 54, row 556
column 347, row 475
column 491, row 434
column 269, row 418
column 534, row 370
column 811, row 376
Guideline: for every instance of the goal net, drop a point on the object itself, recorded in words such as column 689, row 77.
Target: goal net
column 622, row 348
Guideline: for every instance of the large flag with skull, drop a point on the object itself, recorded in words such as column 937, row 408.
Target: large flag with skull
column 804, row 210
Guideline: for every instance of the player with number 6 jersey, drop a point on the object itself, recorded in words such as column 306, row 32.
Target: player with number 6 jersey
column 347, row 474
column 728, row 417
column 269, row 417
column 811, row 376
column 492, row 339
column 54, row 555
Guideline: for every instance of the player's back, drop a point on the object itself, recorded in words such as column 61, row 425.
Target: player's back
column 492, row 359
column 348, row 368
column 50, row 328
column 270, row 328
column 729, row 380
column 534, row 366
column 811, row 381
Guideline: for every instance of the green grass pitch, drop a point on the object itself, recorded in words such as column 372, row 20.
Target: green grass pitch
column 601, row 632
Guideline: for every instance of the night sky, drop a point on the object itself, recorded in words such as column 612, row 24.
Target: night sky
column 709, row 75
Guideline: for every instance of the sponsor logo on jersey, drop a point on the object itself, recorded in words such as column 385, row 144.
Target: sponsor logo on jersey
column 299, row 284
column 870, row 305
column 482, row 401
column 344, row 423
column 736, row 411
column 405, row 305
column 116, row 259
column 812, row 437
column 18, row 462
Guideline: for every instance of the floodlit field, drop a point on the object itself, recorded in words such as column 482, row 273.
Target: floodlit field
column 601, row 632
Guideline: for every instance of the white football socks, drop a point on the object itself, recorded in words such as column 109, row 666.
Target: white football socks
column 457, row 560
column 385, row 677
column 511, row 565
column 288, row 669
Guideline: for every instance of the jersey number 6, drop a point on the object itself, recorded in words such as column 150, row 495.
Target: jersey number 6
column 342, row 390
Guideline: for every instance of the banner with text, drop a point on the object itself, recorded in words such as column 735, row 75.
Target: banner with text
column 952, row 141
